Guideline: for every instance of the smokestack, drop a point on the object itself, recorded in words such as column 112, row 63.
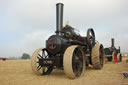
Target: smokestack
column 119, row 49
column 59, row 18
column 112, row 42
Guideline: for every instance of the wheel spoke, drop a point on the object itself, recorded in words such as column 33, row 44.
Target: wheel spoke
column 77, row 62
column 75, row 68
column 46, row 56
column 79, row 70
column 40, row 56
column 44, row 70
column 38, row 68
column 43, row 55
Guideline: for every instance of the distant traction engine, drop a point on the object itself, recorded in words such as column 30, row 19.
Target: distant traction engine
column 112, row 53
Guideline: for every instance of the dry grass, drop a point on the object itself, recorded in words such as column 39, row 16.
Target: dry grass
column 18, row 72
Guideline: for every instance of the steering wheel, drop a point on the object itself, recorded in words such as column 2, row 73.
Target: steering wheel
column 90, row 37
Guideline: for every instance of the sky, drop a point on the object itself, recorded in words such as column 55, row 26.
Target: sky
column 25, row 25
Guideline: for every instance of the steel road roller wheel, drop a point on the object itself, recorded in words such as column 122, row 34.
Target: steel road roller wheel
column 40, row 53
column 119, row 57
column 97, row 56
column 74, row 62
column 90, row 37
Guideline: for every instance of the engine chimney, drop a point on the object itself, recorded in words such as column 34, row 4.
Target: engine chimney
column 119, row 49
column 112, row 40
column 59, row 18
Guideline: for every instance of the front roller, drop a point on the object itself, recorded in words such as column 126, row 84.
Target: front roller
column 74, row 62
column 97, row 56
column 40, row 53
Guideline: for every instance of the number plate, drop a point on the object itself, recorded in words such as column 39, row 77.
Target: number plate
column 47, row 62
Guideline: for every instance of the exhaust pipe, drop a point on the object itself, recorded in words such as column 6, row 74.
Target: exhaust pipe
column 119, row 49
column 59, row 18
column 112, row 40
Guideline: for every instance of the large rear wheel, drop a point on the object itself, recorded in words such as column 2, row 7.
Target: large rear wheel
column 40, row 53
column 74, row 62
column 97, row 56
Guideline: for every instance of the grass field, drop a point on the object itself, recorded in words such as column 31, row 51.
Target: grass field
column 18, row 72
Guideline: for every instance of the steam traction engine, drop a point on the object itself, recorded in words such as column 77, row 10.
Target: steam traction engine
column 112, row 53
column 68, row 50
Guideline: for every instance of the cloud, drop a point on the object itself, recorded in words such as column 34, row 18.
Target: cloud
column 28, row 44
column 34, row 40
column 26, row 24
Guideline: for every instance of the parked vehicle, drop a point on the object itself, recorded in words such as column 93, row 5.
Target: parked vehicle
column 68, row 50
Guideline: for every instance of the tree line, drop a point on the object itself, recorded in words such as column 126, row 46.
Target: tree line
column 25, row 56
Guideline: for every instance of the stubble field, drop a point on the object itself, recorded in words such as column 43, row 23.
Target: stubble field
column 18, row 72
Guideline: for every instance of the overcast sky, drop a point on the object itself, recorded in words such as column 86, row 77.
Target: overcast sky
column 26, row 24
